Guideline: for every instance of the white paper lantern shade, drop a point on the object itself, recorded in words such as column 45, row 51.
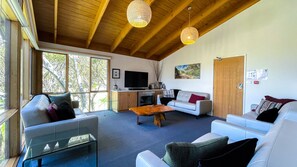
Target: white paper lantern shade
column 189, row 35
column 139, row 13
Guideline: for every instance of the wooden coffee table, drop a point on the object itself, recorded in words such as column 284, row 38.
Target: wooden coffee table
column 158, row 111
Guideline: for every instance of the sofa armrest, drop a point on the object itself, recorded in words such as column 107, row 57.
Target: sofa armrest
column 254, row 107
column 249, row 123
column 149, row 159
column 203, row 106
column 63, row 129
column 234, row 132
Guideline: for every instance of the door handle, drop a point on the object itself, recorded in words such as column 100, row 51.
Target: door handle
column 240, row 86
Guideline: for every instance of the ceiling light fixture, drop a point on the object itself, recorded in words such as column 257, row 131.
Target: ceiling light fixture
column 190, row 34
column 139, row 13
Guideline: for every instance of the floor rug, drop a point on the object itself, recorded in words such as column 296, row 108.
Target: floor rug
column 121, row 139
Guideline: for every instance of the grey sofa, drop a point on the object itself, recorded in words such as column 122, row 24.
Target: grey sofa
column 37, row 123
column 182, row 103
column 275, row 148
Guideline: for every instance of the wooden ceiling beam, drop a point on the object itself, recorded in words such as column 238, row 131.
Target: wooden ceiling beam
column 174, row 12
column 196, row 19
column 70, row 41
column 127, row 28
column 55, row 20
column 99, row 15
column 210, row 27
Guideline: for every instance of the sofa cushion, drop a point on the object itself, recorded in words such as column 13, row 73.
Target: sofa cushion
column 35, row 112
column 268, row 115
column 266, row 105
column 184, row 96
column 183, row 154
column 60, row 98
column 276, row 100
column 52, row 112
column 237, row 154
column 250, row 115
column 65, row 111
column 186, row 105
column 168, row 93
column 195, row 98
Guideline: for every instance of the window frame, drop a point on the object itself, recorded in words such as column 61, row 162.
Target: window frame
column 90, row 91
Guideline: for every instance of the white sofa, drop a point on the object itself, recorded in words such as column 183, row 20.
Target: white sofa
column 248, row 119
column 182, row 103
column 275, row 148
column 37, row 123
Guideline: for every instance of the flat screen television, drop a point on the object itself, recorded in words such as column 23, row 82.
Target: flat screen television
column 136, row 80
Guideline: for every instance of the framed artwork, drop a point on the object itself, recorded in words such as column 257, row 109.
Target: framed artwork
column 116, row 73
column 188, row 71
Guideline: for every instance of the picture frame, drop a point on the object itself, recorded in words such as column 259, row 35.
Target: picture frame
column 116, row 73
column 188, row 71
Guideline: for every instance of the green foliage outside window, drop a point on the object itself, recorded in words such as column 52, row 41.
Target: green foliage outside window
column 86, row 76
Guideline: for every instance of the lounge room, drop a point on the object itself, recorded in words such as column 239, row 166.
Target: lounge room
column 147, row 83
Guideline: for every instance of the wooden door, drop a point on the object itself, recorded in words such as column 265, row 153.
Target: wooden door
column 228, row 86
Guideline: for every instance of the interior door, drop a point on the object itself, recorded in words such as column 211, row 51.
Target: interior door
column 228, row 86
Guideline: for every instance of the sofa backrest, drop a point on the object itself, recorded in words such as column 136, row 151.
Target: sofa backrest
column 184, row 96
column 288, row 111
column 278, row 147
column 35, row 112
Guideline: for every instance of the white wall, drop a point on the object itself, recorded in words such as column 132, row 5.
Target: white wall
column 131, row 64
column 266, row 34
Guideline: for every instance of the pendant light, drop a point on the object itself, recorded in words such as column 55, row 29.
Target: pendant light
column 139, row 13
column 190, row 34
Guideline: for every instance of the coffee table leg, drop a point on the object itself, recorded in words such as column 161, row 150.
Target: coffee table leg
column 137, row 120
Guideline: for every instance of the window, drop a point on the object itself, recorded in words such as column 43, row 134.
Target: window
column 53, row 72
column 85, row 77
column 4, row 83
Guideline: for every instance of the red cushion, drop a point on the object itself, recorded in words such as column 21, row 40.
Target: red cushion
column 195, row 98
column 52, row 112
column 283, row 101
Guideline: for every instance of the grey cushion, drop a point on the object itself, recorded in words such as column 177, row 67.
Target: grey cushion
column 58, row 99
column 183, row 154
column 35, row 112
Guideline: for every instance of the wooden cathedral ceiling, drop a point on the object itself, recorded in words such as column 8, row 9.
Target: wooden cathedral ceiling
column 102, row 24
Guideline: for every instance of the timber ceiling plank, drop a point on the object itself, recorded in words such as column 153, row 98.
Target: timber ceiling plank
column 197, row 18
column 99, row 15
column 125, row 31
column 210, row 26
column 77, row 23
column 182, row 5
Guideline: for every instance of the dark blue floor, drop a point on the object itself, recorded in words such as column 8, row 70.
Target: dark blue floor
column 120, row 139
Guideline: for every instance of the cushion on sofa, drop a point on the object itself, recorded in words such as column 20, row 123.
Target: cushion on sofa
column 35, row 112
column 186, row 105
column 236, row 154
column 168, row 93
column 266, row 105
column 195, row 98
column 183, row 154
column 65, row 111
column 52, row 112
column 268, row 115
column 60, row 98
column 282, row 101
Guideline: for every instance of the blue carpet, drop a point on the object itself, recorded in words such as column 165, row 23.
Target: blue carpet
column 120, row 139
